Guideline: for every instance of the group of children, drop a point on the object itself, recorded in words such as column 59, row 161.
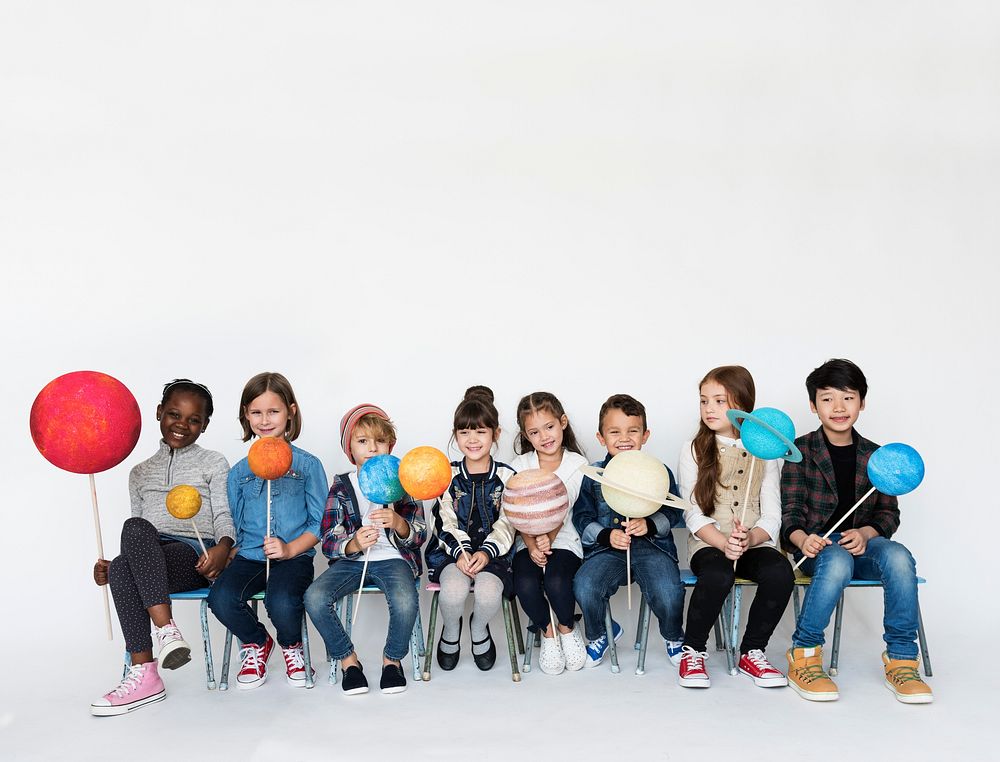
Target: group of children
column 738, row 528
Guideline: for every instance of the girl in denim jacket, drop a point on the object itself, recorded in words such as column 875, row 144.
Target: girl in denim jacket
column 472, row 538
column 268, row 409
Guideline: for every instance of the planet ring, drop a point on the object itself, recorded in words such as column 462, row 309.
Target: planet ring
column 792, row 456
column 597, row 474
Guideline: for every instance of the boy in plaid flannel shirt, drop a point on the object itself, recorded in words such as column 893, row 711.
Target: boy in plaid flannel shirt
column 815, row 494
column 390, row 536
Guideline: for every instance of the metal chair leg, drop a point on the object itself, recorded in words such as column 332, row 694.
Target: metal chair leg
column 796, row 604
column 417, row 646
column 511, row 644
column 719, row 646
column 734, row 628
column 727, row 625
column 837, row 623
column 642, row 613
column 206, row 641
column 923, row 643
column 227, row 652
column 310, row 678
column 611, row 639
column 429, row 645
column 642, row 636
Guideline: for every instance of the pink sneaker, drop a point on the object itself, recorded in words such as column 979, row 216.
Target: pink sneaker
column 253, row 671
column 754, row 664
column 141, row 685
column 692, row 673
column 295, row 665
column 174, row 650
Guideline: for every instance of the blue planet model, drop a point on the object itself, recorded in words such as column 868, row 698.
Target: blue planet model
column 766, row 433
column 895, row 469
column 379, row 480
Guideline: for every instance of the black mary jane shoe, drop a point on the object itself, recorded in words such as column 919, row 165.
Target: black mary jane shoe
column 486, row 660
column 448, row 662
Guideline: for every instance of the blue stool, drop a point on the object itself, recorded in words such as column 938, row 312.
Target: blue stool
column 416, row 637
column 228, row 650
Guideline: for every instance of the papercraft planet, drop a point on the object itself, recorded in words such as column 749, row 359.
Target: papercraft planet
column 425, row 473
column 895, row 469
column 270, row 457
column 634, row 484
column 766, row 433
column 183, row 502
column 535, row 502
column 379, row 480
column 85, row 422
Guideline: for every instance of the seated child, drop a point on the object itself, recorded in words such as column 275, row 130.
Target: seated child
column 815, row 494
column 390, row 536
column 606, row 535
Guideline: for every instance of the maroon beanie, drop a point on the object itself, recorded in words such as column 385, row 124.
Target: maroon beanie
column 350, row 421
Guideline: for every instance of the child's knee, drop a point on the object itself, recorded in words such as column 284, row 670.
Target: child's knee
column 136, row 529
column 835, row 564
column 316, row 600
column 897, row 561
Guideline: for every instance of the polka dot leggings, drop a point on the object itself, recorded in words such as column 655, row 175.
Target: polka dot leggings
column 144, row 575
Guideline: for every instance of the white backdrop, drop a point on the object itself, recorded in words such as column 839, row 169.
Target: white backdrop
column 392, row 201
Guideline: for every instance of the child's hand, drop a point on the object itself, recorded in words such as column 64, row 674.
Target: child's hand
column 275, row 549
column 385, row 518
column 813, row 544
column 538, row 557
column 543, row 544
column 620, row 540
column 736, row 543
column 464, row 563
column 636, row 527
column 854, row 542
column 101, row 571
column 367, row 536
column 212, row 562
column 478, row 563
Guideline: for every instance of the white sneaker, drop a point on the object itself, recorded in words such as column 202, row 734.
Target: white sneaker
column 675, row 649
column 574, row 649
column 174, row 650
column 551, row 659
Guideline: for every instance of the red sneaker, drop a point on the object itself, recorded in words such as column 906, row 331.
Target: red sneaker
column 295, row 665
column 253, row 672
column 692, row 672
column 755, row 664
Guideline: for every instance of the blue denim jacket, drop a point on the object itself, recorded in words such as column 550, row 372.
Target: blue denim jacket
column 592, row 515
column 297, row 502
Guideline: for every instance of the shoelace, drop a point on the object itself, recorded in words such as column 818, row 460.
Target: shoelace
column 757, row 658
column 598, row 645
column 905, row 674
column 130, row 681
column 167, row 633
column 695, row 659
column 250, row 655
column 811, row 672
column 294, row 658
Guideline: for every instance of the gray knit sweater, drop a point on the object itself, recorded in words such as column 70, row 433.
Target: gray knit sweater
column 205, row 470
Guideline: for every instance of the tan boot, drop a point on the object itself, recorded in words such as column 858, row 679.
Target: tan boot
column 902, row 677
column 806, row 675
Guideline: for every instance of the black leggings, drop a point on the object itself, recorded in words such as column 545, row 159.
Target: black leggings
column 532, row 586
column 765, row 566
column 144, row 575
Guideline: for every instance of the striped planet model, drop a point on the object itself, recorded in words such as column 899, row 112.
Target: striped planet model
column 535, row 502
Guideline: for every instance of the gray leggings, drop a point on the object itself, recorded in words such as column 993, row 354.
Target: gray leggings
column 487, row 595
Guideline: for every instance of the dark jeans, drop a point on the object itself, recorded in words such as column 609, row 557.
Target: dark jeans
column 532, row 586
column 765, row 566
column 286, row 585
column 144, row 575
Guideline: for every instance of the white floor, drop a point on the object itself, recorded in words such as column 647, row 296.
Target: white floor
column 592, row 714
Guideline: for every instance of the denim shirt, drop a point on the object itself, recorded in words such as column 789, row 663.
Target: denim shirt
column 297, row 502
column 592, row 515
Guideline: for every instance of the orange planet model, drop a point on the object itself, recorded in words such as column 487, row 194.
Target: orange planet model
column 425, row 473
column 270, row 457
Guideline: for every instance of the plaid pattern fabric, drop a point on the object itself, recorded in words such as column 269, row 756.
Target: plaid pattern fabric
column 341, row 520
column 809, row 491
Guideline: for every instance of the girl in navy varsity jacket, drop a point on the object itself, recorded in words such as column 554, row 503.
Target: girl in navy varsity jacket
column 471, row 540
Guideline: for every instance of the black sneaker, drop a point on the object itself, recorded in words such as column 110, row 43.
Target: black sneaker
column 354, row 681
column 448, row 661
column 393, row 680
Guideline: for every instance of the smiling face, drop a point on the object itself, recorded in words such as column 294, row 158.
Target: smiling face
column 366, row 443
column 838, row 410
column 714, row 402
column 182, row 418
column 621, row 432
column 268, row 415
column 476, row 445
column 544, row 431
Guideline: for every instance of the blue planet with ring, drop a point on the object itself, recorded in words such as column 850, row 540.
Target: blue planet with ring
column 895, row 469
column 766, row 433
column 379, row 480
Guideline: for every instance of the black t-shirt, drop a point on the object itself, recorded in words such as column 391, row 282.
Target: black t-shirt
column 845, row 465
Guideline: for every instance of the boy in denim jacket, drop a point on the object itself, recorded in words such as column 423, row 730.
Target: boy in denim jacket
column 815, row 494
column 622, row 427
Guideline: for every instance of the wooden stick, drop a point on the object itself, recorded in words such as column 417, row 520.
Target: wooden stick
column 198, row 535
column 628, row 563
column 746, row 497
column 267, row 533
column 834, row 527
column 357, row 603
column 100, row 552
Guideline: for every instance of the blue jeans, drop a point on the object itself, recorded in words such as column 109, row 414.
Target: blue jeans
column 393, row 577
column 834, row 567
column 603, row 573
column 243, row 579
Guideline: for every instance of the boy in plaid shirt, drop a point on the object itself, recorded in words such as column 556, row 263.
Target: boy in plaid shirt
column 815, row 494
